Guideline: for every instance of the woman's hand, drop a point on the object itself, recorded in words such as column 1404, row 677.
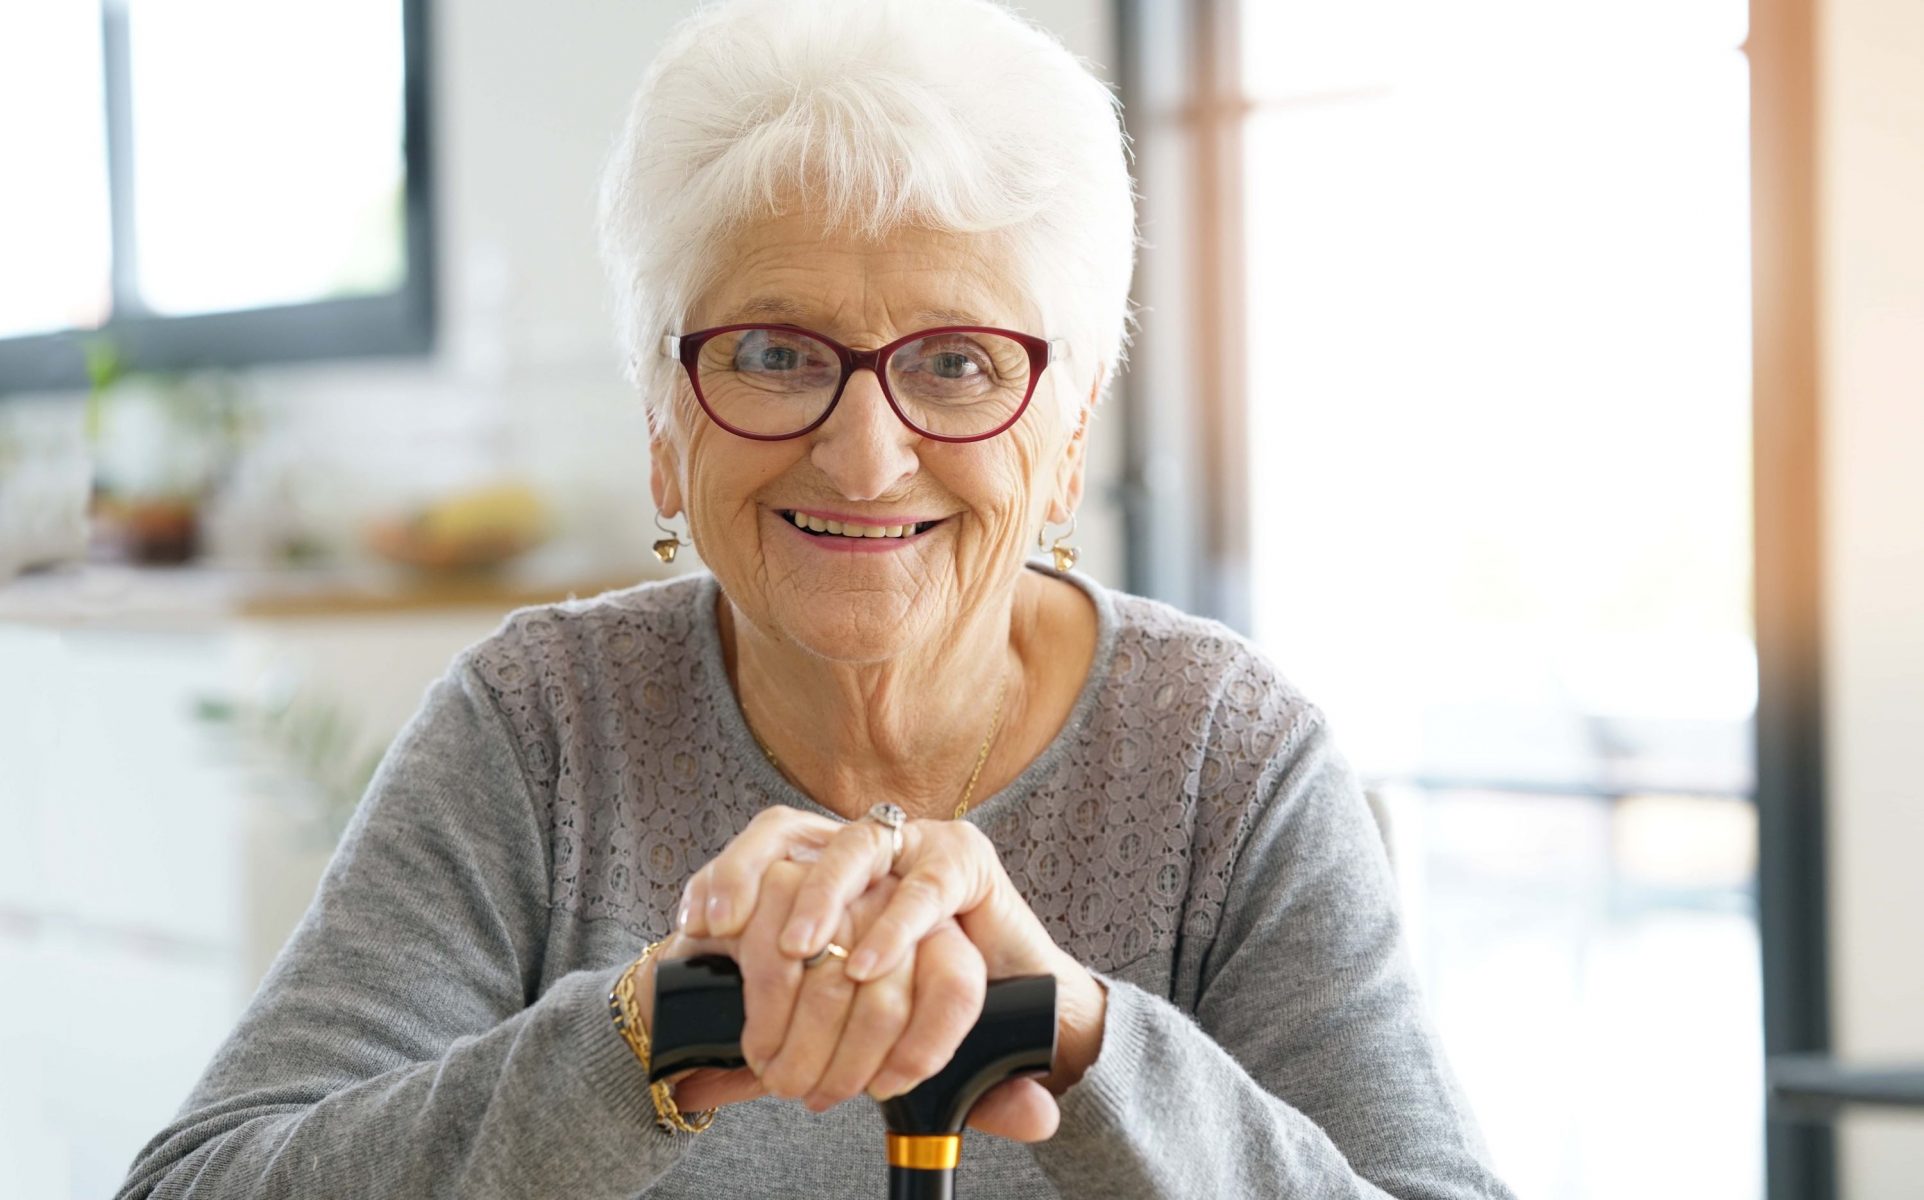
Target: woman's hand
column 811, row 1033
column 948, row 870
column 814, row 1034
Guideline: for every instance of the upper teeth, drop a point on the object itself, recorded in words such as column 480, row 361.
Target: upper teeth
column 804, row 521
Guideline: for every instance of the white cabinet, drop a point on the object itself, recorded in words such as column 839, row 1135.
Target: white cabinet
column 150, row 865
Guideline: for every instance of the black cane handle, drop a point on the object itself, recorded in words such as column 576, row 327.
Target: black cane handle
column 698, row 1023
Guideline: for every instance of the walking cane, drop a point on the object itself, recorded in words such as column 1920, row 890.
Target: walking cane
column 698, row 1023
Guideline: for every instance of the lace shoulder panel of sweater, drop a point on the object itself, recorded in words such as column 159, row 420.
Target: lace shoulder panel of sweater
column 1134, row 841
column 612, row 714
column 615, row 715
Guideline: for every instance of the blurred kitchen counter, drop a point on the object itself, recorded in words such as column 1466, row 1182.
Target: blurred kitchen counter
column 115, row 595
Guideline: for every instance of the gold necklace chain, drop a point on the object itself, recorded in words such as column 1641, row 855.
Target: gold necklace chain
column 981, row 756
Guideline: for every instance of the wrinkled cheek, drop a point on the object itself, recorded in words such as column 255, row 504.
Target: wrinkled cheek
column 1024, row 509
column 1005, row 537
column 713, row 511
column 1009, row 533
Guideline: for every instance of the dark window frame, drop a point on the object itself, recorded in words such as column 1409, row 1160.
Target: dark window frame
column 400, row 322
column 1787, row 454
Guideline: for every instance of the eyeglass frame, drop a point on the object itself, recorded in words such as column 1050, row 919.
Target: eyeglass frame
column 685, row 348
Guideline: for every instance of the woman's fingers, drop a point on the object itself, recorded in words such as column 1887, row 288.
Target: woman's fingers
column 947, row 869
column 720, row 897
column 1021, row 1110
column 770, row 979
column 875, row 1023
column 694, row 900
column 815, row 1028
column 856, row 857
column 950, row 982
column 820, row 1019
column 711, row 1087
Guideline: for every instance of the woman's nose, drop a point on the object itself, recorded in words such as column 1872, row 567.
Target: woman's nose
column 863, row 447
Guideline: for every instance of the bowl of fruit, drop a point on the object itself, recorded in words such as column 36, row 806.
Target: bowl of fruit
column 474, row 530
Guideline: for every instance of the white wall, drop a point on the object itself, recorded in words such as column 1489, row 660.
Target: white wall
column 1871, row 147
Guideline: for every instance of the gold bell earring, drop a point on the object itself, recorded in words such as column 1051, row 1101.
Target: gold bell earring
column 1065, row 556
column 666, row 547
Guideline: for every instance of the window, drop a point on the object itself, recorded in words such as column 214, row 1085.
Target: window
column 211, row 182
column 1460, row 293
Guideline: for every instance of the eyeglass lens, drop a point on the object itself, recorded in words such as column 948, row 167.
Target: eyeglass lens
column 773, row 381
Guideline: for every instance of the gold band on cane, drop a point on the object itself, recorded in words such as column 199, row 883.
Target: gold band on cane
column 925, row 1151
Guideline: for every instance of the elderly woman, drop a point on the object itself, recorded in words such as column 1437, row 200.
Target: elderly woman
column 872, row 261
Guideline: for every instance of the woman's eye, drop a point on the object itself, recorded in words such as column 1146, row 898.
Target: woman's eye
column 758, row 354
column 953, row 365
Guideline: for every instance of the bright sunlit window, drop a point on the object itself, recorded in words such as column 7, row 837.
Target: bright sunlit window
column 297, row 199
column 55, row 240
column 201, row 158
column 1497, row 306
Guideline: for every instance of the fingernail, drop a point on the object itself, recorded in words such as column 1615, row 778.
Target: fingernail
column 681, row 916
column 718, row 911
column 861, row 965
column 884, row 1087
column 798, row 936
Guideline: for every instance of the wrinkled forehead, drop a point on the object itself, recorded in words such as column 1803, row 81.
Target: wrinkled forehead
column 793, row 270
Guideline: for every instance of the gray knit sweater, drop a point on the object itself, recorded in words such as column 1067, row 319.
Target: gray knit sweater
column 437, row 1024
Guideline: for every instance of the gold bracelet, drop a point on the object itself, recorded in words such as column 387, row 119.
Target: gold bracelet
column 626, row 1011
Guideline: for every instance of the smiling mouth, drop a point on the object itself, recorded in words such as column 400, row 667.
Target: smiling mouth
column 817, row 527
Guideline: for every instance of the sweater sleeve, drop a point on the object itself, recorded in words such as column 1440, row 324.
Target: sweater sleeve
column 1309, row 1068
column 397, row 1046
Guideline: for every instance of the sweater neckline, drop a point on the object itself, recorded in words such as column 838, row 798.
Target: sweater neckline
column 734, row 724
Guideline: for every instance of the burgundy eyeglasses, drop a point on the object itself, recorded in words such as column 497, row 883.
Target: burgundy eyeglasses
column 954, row 383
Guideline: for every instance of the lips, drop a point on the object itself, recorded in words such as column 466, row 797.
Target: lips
column 854, row 528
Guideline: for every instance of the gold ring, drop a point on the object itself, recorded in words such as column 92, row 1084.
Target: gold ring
column 832, row 950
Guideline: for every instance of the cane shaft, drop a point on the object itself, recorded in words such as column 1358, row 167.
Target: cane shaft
column 916, row 1183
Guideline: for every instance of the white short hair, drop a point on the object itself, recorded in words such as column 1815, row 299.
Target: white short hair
column 958, row 115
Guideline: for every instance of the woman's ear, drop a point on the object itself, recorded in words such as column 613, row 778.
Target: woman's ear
column 664, row 468
column 1074, row 463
